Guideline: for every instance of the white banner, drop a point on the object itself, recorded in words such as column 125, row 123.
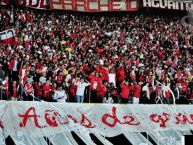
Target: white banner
column 168, row 4
column 38, row 119
column 95, row 5
column 7, row 34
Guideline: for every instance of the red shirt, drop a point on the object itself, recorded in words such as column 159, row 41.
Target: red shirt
column 120, row 74
column 38, row 90
column 168, row 94
column 102, row 91
column 15, row 91
column 104, row 72
column 137, row 91
column 6, row 87
column 46, row 90
column 29, row 89
column 72, row 91
column 59, row 79
column 95, row 83
column 125, row 91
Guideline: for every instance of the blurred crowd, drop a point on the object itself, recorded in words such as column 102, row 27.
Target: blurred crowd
column 63, row 57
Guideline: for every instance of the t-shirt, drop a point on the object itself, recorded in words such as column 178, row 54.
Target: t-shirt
column 112, row 77
column 60, row 95
column 80, row 88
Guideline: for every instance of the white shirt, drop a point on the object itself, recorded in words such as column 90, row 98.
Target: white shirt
column 146, row 89
column 60, row 96
column 15, row 65
column 68, row 77
column 112, row 78
column 80, row 88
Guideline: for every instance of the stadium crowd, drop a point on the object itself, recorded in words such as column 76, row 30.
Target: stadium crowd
column 57, row 56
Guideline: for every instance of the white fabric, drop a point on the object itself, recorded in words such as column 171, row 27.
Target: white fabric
column 146, row 89
column 15, row 65
column 94, row 117
column 57, row 125
column 135, row 100
column 81, row 88
column 112, row 77
column 136, row 138
column 7, row 34
column 68, row 77
column 60, row 96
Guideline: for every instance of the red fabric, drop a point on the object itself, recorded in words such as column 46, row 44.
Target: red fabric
column 137, row 91
column 104, row 73
column 184, row 87
column 125, row 91
column 46, row 90
column 38, row 90
column 6, row 87
column 72, row 91
column 102, row 91
column 15, row 91
column 29, row 89
column 59, row 79
column 120, row 74
column 11, row 64
column 95, row 82
column 168, row 94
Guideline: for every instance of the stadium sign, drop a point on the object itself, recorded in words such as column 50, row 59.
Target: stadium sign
column 38, row 4
column 167, row 4
column 94, row 5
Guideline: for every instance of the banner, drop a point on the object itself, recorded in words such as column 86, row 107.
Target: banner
column 38, row 119
column 7, row 36
column 94, row 5
column 168, row 4
column 37, row 4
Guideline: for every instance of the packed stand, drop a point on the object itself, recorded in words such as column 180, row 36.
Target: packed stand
column 64, row 57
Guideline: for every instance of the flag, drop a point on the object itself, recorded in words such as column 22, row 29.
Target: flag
column 7, row 36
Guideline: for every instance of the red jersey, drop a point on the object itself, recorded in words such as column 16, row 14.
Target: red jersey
column 95, row 83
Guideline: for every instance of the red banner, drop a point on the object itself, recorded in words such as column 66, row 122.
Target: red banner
column 94, row 5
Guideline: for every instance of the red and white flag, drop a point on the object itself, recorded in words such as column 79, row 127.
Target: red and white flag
column 7, row 36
